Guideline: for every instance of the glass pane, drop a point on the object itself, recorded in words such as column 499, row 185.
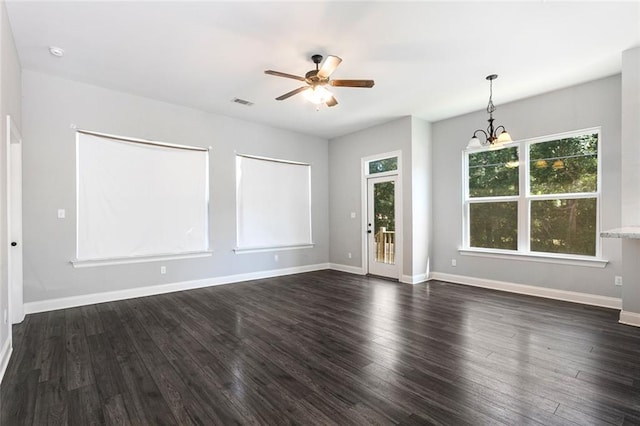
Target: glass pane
column 494, row 225
column 493, row 173
column 564, row 166
column 384, row 165
column 384, row 222
column 564, row 226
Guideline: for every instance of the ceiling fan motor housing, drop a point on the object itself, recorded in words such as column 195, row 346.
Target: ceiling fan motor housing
column 312, row 78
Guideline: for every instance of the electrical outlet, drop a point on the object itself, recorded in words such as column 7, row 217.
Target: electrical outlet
column 617, row 280
column 163, row 269
column 353, row 215
column 61, row 213
column 276, row 257
column 454, row 263
column 349, row 255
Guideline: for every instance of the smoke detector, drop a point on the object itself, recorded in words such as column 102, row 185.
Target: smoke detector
column 58, row 52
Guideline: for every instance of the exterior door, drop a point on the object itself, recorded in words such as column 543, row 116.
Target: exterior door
column 14, row 219
column 382, row 208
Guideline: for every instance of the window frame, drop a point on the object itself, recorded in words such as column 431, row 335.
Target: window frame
column 524, row 200
column 384, row 156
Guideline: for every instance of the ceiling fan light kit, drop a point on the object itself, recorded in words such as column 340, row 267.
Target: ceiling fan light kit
column 317, row 95
column 315, row 91
column 494, row 137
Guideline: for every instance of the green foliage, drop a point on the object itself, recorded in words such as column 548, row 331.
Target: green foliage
column 564, row 226
column 384, row 165
column 564, row 166
column 494, row 173
column 494, row 225
column 384, row 206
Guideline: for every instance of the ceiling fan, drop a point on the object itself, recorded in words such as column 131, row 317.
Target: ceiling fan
column 315, row 90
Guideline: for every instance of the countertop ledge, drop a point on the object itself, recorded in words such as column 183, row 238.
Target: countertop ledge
column 630, row 232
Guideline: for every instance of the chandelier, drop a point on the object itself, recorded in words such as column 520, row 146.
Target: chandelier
column 492, row 136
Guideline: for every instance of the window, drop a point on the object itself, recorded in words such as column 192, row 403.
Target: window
column 273, row 204
column 383, row 165
column 536, row 196
column 139, row 198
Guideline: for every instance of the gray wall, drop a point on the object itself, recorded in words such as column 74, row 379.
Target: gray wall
column 405, row 134
column 51, row 105
column 9, row 104
column 345, row 186
column 587, row 105
column 631, row 176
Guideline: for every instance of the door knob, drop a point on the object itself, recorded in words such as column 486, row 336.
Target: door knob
column 13, row 244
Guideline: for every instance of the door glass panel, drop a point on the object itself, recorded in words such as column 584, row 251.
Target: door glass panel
column 384, row 222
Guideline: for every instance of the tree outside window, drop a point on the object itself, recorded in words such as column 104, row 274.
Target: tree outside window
column 553, row 180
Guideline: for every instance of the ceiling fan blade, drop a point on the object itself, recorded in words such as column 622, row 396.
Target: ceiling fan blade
column 291, row 93
column 352, row 83
column 330, row 64
column 332, row 102
column 284, row 74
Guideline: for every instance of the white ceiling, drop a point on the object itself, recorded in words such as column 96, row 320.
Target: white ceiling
column 428, row 59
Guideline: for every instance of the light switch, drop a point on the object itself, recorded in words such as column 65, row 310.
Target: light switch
column 61, row 214
column 353, row 215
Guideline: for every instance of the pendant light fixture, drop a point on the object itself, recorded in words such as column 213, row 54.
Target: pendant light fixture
column 492, row 136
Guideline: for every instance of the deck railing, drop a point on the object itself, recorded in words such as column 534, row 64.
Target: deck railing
column 385, row 246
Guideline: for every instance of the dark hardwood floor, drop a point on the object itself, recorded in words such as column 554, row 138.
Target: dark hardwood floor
column 325, row 348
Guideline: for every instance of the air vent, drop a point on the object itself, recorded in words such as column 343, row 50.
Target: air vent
column 242, row 102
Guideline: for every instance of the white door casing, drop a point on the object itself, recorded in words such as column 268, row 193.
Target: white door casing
column 14, row 221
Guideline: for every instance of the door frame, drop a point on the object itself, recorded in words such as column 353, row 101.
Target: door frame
column 365, row 176
column 14, row 220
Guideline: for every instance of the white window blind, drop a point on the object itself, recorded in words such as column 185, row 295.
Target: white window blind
column 273, row 203
column 137, row 198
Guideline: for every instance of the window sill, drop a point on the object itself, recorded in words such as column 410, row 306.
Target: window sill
column 247, row 250
column 138, row 259
column 591, row 262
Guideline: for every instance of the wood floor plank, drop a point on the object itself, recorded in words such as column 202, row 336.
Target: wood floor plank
column 85, row 407
column 115, row 412
column 78, row 367
column 325, row 348
column 52, row 354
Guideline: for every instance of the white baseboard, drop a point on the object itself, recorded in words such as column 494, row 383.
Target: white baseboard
column 629, row 318
column 414, row 279
column 90, row 299
column 346, row 268
column 5, row 356
column 549, row 293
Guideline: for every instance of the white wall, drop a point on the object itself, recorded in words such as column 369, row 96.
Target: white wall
column 408, row 135
column 630, row 137
column 9, row 104
column 631, row 177
column 587, row 105
column 421, row 198
column 52, row 104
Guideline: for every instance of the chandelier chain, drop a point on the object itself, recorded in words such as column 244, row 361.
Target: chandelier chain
column 490, row 106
